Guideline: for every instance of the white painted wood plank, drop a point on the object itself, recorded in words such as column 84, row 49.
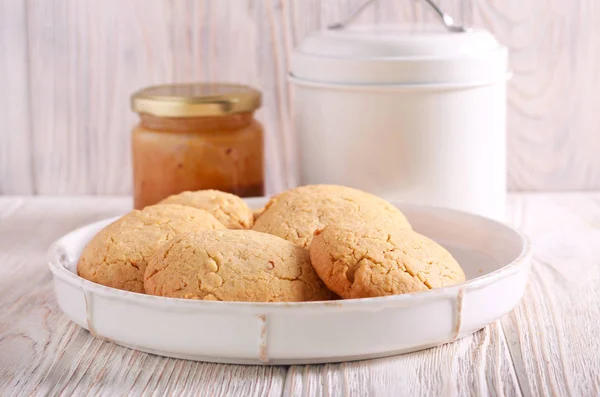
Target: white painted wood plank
column 553, row 334
column 43, row 353
column 16, row 174
column 552, row 117
column 477, row 365
column 270, row 52
column 239, row 42
column 85, row 61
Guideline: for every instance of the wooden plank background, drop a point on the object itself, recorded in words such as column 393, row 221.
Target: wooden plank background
column 67, row 69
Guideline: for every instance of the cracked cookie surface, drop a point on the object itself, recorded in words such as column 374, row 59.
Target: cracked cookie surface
column 117, row 256
column 358, row 261
column 295, row 214
column 233, row 265
column 228, row 208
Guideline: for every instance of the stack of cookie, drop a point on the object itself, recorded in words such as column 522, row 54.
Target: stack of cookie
column 311, row 243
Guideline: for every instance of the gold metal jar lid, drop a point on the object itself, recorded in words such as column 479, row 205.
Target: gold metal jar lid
column 195, row 100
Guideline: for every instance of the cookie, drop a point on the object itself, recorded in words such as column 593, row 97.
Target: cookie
column 228, row 208
column 233, row 265
column 364, row 261
column 117, row 255
column 257, row 213
column 295, row 214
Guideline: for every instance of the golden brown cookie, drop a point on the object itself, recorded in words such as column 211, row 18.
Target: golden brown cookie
column 364, row 261
column 295, row 214
column 117, row 255
column 257, row 213
column 233, row 265
column 228, row 208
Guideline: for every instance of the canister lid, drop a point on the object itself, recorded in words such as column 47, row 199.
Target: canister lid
column 410, row 54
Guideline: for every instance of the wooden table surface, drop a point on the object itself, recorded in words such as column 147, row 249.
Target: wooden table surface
column 549, row 345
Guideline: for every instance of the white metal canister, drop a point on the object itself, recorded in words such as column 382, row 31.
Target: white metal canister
column 415, row 113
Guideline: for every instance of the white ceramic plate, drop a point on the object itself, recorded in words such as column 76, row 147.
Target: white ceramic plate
column 495, row 258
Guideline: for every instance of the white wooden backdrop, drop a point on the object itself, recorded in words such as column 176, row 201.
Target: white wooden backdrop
column 67, row 69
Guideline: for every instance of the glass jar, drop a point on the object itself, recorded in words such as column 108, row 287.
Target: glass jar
column 194, row 137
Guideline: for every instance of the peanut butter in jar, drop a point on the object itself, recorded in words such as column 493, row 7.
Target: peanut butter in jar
column 196, row 136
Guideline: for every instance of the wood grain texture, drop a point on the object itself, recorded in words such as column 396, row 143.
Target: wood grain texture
column 553, row 120
column 478, row 365
column 553, row 334
column 68, row 68
column 547, row 346
column 16, row 157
